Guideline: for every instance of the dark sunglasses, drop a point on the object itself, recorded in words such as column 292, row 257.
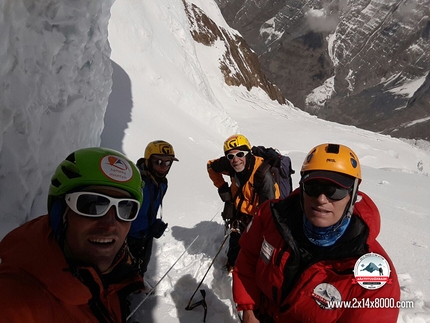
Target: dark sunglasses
column 331, row 191
column 95, row 205
column 160, row 162
column 239, row 154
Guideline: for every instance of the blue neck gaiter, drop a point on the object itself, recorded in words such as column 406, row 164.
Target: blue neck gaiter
column 325, row 237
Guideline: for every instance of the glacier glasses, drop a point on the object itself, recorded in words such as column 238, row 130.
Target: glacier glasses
column 331, row 191
column 95, row 205
column 161, row 163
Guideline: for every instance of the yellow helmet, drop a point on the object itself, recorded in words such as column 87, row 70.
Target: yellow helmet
column 159, row 147
column 236, row 142
column 334, row 158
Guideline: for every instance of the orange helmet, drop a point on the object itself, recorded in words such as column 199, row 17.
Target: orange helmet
column 334, row 158
column 236, row 142
column 336, row 163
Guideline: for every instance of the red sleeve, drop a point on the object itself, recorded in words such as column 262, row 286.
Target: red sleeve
column 246, row 294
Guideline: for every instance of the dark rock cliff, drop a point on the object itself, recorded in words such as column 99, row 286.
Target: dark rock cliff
column 240, row 64
column 351, row 62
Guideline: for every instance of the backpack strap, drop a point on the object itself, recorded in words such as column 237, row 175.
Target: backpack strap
column 259, row 175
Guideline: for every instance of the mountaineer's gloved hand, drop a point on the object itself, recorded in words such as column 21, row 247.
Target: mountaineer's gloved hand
column 224, row 193
column 157, row 228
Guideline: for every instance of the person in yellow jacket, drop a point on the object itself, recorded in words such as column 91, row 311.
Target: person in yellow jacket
column 240, row 197
column 73, row 264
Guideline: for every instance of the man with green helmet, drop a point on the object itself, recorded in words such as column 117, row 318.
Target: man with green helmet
column 73, row 265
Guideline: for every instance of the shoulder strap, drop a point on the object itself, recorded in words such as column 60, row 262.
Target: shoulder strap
column 259, row 175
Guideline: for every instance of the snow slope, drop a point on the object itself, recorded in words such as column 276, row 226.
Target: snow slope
column 165, row 86
column 391, row 168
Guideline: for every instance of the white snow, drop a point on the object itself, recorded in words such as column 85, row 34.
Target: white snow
column 330, row 48
column 317, row 98
column 408, row 88
column 350, row 78
column 56, row 82
column 412, row 123
column 270, row 31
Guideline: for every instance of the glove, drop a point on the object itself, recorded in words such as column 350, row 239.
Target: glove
column 157, row 228
column 136, row 247
column 228, row 212
column 224, row 193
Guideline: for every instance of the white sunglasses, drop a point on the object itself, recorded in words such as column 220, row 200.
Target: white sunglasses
column 239, row 154
column 95, row 205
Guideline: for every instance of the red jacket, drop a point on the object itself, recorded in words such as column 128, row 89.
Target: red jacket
column 276, row 283
column 37, row 286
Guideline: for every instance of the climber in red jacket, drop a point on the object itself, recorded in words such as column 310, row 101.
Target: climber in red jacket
column 73, row 264
column 308, row 257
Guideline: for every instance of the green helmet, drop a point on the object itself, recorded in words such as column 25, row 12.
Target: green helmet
column 95, row 166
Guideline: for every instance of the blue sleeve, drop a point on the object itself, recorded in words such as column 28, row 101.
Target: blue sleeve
column 140, row 225
column 148, row 210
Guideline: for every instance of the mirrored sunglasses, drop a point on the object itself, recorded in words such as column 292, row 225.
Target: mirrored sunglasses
column 160, row 162
column 95, row 205
column 239, row 154
column 331, row 191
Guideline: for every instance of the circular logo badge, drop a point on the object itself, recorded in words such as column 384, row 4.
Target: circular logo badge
column 116, row 168
column 371, row 271
column 324, row 294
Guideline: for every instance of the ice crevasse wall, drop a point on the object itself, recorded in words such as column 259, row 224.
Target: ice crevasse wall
column 55, row 77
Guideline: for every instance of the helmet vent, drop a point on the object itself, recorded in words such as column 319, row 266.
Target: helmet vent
column 333, row 148
column 71, row 158
column 55, row 182
column 69, row 173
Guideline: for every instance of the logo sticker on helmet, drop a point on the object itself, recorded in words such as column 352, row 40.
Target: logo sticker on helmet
column 116, row 168
column 232, row 143
column 165, row 149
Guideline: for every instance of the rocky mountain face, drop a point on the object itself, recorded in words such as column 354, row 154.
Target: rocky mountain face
column 363, row 62
column 240, row 64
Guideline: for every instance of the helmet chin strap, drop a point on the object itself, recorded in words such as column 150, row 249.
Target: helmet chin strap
column 161, row 176
column 349, row 209
column 353, row 198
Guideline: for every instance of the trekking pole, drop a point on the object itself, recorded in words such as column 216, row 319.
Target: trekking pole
column 159, row 281
column 202, row 291
column 217, row 212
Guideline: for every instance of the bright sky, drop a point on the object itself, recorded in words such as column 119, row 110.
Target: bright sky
column 166, row 86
